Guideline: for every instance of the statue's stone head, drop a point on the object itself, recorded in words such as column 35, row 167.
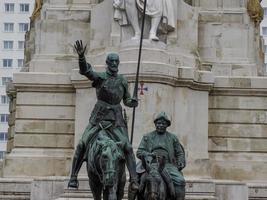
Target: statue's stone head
column 162, row 121
column 113, row 62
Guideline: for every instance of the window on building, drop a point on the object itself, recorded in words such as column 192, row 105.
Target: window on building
column 20, row 62
column 2, row 154
column 3, row 118
column 20, row 44
column 8, row 27
column 9, row 7
column 265, row 11
column 264, row 30
column 23, row 27
column 4, row 99
column 6, row 80
column 7, row 62
column 8, row 44
column 3, row 136
column 24, row 7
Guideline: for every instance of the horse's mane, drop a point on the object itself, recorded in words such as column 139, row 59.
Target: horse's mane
column 102, row 141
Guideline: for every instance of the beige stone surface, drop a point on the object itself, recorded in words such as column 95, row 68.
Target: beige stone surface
column 47, row 188
column 43, row 140
column 34, row 163
column 236, row 144
column 238, row 102
column 239, row 170
column 230, row 190
column 45, row 112
column 241, row 82
column 238, row 116
column 39, row 79
column 227, row 38
column 238, row 156
column 44, row 126
column 237, row 120
column 35, row 98
column 42, row 133
column 238, row 130
column 257, row 190
column 15, row 188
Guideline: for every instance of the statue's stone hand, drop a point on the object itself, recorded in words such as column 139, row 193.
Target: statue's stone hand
column 79, row 48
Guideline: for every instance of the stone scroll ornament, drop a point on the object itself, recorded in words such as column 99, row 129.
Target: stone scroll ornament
column 128, row 12
column 255, row 11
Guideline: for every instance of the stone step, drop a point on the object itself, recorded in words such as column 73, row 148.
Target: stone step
column 72, row 198
column 195, row 189
column 81, row 194
column 196, row 197
column 15, row 188
column 89, row 196
column 187, row 198
column 14, row 197
column 257, row 190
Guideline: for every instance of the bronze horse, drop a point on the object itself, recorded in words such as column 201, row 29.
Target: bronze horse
column 106, row 168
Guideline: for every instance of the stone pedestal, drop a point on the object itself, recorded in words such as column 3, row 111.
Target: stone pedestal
column 237, row 123
column 206, row 75
column 43, row 124
column 228, row 190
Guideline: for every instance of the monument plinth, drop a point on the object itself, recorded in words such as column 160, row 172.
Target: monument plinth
column 206, row 74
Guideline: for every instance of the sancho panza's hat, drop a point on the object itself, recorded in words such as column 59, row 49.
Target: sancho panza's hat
column 163, row 115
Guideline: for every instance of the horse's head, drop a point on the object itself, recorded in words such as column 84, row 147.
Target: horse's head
column 109, row 157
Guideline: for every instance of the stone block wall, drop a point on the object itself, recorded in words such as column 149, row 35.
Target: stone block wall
column 51, row 38
column 44, row 126
column 238, row 128
column 228, row 38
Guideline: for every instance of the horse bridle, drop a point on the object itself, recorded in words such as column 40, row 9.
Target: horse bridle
column 103, row 172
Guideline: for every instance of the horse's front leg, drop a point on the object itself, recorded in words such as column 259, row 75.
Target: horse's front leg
column 110, row 193
column 95, row 185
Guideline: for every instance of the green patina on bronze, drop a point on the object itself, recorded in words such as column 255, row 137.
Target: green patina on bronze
column 106, row 119
column 163, row 144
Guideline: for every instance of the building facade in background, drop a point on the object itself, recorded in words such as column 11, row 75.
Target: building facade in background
column 264, row 30
column 14, row 22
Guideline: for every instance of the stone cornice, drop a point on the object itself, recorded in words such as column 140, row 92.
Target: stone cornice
column 42, row 82
column 184, row 77
column 240, row 86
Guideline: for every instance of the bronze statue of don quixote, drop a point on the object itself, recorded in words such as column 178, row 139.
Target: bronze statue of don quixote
column 106, row 148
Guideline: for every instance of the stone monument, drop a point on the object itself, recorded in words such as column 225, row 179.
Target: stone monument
column 206, row 73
